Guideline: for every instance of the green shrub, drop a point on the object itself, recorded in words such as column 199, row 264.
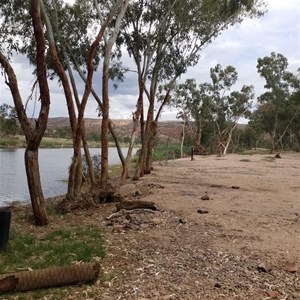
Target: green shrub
column 166, row 151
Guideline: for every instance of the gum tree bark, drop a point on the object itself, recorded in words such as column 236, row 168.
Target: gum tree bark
column 135, row 117
column 100, row 104
column 105, row 98
column 74, row 186
column 33, row 134
column 88, row 87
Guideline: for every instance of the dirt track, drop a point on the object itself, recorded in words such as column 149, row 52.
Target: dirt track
column 263, row 209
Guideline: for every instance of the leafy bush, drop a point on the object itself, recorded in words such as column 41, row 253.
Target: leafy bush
column 166, row 151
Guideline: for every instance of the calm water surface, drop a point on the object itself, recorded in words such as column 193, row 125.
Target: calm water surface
column 54, row 165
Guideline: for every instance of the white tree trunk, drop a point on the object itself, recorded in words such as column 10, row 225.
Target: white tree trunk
column 182, row 140
column 229, row 139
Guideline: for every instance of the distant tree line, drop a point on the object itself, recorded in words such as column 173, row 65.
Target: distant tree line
column 8, row 120
column 210, row 112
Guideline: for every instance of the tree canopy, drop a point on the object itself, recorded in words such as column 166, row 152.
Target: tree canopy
column 278, row 108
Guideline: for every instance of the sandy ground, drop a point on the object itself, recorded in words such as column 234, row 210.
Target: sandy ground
column 233, row 246
column 263, row 209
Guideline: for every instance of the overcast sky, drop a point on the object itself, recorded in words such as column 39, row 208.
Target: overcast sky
column 278, row 31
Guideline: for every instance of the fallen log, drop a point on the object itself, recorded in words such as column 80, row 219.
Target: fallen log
column 134, row 204
column 50, row 277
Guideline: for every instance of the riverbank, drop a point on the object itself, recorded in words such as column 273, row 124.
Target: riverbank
column 18, row 141
column 225, row 229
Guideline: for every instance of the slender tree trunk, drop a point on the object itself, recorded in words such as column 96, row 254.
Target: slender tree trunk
column 98, row 100
column 229, row 139
column 72, row 192
column 125, row 170
column 274, row 134
column 273, row 137
column 140, row 171
column 280, row 141
column 149, row 156
column 35, row 187
column 182, row 139
column 74, row 184
column 151, row 124
column 33, row 135
column 33, row 176
column 105, row 77
column 88, row 160
column 88, row 86
column 257, row 141
column 104, row 127
column 78, row 177
column 227, row 143
column 136, row 116
column 116, row 140
column 83, row 138
column 220, row 145
column 142, row 122
column 153, row 128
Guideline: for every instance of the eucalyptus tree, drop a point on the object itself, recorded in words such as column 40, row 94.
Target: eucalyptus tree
column 92, row 58
column 33, row 132
column 178, row 98
column 240, row 103
column 56, row 52
column 111, row 12
column 275, row 104
column 227, row 106
column 74, row 35
column 255, row 127
column 17, row 35
column 214, row 106
column 164, row 38
column 109, row 41
column 117, row 10
column 192, row 102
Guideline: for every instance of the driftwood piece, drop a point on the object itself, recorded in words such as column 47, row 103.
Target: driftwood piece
column 134, row 204
column 50, row 277
column 124, row 212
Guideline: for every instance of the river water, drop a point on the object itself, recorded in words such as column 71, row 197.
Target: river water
column 54, row 165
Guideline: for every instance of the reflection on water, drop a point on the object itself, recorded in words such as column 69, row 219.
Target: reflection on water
column 54, row 165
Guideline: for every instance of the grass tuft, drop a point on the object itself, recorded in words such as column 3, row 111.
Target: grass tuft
column 51, row 209
column 115, row 170
column 57, row 248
